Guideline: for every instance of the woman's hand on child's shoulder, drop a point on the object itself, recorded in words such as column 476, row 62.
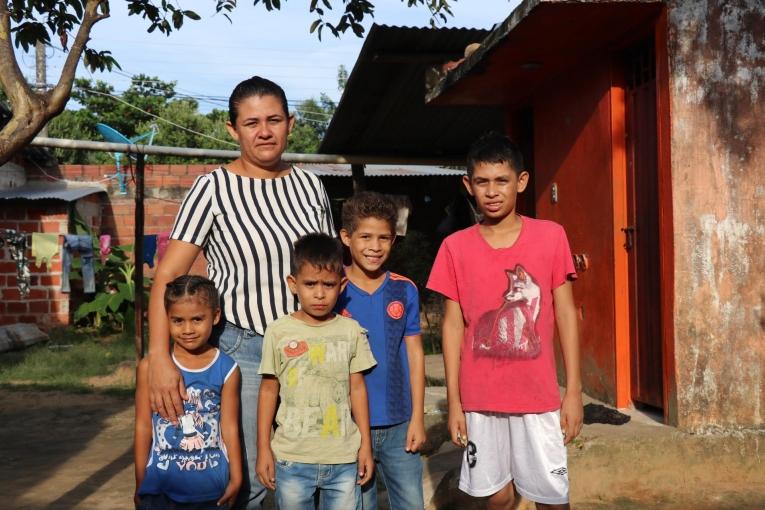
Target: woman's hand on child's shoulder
column 166, row 389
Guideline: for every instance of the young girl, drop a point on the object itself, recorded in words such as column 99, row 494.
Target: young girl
column 195, row 462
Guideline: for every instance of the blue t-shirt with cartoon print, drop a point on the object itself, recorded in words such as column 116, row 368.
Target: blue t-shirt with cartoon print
column 188, row 461
column 388, row 314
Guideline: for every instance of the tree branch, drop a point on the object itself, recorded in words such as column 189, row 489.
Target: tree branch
column 11, row 78
column 59, row 95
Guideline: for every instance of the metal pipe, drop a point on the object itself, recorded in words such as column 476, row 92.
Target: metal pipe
column 354, row 159
column 138, row 258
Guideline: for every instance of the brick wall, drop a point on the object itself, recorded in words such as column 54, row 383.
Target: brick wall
column 113, row 213
column 164, row 189
column 45, row 305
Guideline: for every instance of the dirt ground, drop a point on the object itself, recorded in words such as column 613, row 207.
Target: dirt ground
column 62, row 450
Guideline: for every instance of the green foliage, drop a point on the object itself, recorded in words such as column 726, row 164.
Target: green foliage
column 42, row 20
column 312, row 118
column 100, row 104
column 183, row 112
column 113, row 306
column 342, row 77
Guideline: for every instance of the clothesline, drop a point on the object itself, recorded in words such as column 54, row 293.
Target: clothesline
column 46, row 246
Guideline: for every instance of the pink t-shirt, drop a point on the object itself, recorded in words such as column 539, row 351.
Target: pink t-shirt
column 507, row 359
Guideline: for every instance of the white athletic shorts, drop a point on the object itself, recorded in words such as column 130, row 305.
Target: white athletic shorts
column 525, row 448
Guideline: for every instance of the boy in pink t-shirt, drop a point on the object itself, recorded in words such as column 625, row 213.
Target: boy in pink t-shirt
column 506, row 282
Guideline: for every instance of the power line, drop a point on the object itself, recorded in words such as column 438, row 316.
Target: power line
column 157, row 116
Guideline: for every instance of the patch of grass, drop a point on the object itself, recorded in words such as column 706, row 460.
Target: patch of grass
column 66, row 361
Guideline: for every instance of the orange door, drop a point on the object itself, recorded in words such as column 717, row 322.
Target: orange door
column 641, row 235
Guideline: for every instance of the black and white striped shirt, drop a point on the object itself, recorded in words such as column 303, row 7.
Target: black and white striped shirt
column 247, row 227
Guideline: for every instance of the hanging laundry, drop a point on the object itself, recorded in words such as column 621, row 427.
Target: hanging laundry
column 17, row 246
column 149, row 249
column 83, row 245
column 105, row 245
column 44, row 248
column 163, row 240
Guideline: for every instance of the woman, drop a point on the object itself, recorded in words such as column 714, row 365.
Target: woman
column 245, row 216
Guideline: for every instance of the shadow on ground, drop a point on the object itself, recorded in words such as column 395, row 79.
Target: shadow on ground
column 60, row 449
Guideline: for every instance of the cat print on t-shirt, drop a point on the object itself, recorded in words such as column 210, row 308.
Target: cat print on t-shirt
column 510, row 331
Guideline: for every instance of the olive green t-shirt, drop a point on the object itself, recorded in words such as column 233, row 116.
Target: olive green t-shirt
column 314, row 364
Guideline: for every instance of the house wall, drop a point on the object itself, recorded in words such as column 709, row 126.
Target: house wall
column 572, row 148
column 717, row 100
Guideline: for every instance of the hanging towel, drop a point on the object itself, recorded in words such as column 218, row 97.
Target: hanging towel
column 17, row 245
column 149, row 249
column 44, row 248
column 163, row 240
column 105, row 245
column 83, row 245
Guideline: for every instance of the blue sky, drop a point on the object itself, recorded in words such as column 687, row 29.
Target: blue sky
column 208, row 57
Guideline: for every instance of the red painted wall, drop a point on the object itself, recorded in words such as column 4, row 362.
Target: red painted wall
column 572, row 148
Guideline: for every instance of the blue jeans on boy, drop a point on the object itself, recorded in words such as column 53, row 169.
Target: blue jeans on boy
column 246, row 347
column 297, row 483
column 400, row 470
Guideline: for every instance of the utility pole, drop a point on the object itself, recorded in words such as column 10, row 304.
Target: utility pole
column 41, row 82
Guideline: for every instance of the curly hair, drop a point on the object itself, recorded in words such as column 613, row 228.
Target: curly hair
column 368, row 204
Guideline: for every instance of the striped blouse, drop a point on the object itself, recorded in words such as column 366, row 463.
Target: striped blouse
column 246, row 227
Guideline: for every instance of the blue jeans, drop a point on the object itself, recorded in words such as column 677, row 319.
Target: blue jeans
column 400, row 470
column 84, row 246
column 246, row 347
column 297, row 483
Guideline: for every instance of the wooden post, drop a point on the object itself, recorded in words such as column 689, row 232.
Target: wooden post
column 138, row 257
column 357, row 174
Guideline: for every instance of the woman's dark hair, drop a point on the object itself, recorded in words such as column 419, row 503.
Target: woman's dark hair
column 494, row 147
column 192, row 286
column 319, row 250
column 255, row 86
column 368, row 204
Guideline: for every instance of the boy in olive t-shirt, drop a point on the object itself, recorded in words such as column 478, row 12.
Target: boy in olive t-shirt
column 313, row 359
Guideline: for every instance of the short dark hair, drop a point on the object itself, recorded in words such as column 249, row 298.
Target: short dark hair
column 319, row 250
column 192, row 286
column 494, row 147
column 255, row 86
column 368, row 204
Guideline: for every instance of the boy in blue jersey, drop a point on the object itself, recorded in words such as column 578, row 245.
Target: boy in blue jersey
column 195, row 463
column 387, row 306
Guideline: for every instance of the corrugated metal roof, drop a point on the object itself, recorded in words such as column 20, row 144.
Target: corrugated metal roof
column 384, row 170
column 61, row 190
column 383, row 111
